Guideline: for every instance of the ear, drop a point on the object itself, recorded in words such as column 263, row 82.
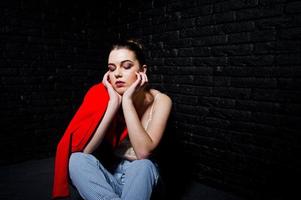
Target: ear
column 144, row 68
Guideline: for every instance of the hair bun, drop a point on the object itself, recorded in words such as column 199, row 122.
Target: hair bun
column 135, row 42
column 133, row 45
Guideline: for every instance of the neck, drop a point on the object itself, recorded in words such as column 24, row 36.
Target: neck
column 139, row 98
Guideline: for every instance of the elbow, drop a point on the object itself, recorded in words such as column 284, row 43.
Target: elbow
column 143, row 155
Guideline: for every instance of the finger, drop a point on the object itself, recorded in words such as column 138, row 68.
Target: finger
column 138, row 79
column 104, row 78
column 143, row 80
column 146, row 77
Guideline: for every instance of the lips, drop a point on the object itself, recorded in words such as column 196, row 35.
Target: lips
column 119, row 83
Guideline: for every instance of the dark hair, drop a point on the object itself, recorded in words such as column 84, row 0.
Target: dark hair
column 132, row 45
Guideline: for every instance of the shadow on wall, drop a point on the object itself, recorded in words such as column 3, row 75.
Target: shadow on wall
column 176, row 165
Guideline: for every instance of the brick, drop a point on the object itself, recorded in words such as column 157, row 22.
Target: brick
column 236, row 27
column 180, row 43
column 285, row 47
column 276, row 119
column 288, row 59
column 263, row 60
column 205, row 20
column 290, row 33
column 196, row 70
column 241, row 49
column 293, row 7
column 186, row 118
column 156, row 61
column 265, row 48
column 195, row 52
column 239, row 38
column 262, row 71
column 261, row 12
column 221, row 81
column 180, row 5
column 180, row 79
column 250, row 82
column 231, row 114
column 140, row 23
column 153, row 12
column 198, row 11
column 210, row 61
column 200, row 31
column 270, row 3
column 161, row 53
column 251, row 128
column 184, row 99
column 192, row 109
column 289, row 83
column 220, row 18
column 279, row 95
column 259, row 36
column 239, row 93
column 202, row 80
column 165, row 70
column 260, row 106
column 218, row 102
column 216, row 122
column 210, row 40
column 189, row 89
column 274, row 23
column 169, row 36
column 234, row 5
column 178, row 62
column 180, row 24
column 292, row 109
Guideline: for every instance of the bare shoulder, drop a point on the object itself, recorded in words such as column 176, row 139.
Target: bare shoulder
column 162, row 97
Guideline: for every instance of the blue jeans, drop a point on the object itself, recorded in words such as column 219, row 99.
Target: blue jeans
column 131, row 180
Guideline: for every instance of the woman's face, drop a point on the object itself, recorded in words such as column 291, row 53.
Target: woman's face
column 122, row 64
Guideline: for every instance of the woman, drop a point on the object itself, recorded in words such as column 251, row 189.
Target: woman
column 133, row 122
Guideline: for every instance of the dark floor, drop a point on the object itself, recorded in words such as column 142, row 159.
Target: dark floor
column 32, row 180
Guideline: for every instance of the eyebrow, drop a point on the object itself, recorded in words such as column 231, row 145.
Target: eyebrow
column 121, row 62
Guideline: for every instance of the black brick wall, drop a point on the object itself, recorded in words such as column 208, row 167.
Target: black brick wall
column 50, row 56
column 232, row 69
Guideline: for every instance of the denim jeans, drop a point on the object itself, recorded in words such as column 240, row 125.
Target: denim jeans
column 132, row 180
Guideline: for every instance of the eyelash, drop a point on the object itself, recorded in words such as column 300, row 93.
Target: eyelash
column 111, row 68
column 127, row 66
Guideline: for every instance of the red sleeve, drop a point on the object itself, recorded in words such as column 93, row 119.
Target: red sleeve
column 77, row 134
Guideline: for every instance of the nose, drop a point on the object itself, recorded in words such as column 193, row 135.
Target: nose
column 118, row 72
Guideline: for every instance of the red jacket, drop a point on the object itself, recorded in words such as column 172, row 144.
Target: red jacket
column 78, row 133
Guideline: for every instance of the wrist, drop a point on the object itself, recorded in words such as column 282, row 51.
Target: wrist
column 126, row 101
column 114, row 103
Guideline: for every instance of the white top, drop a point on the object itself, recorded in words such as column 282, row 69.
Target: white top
column 125, row 149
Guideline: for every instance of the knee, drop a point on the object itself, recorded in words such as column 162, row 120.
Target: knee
column 76, row 162
column 146, row 167
column 76, row 158
column 144, row 164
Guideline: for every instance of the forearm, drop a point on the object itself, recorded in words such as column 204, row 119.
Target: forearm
column 140, row 140
column 102, row 127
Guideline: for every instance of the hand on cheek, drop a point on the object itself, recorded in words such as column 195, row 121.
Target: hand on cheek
column 114, row 96
column 137, row 85
column 141, row 79
column 144, row 79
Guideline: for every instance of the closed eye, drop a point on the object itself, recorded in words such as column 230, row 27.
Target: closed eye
column 111, row 67
column 127, row 66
